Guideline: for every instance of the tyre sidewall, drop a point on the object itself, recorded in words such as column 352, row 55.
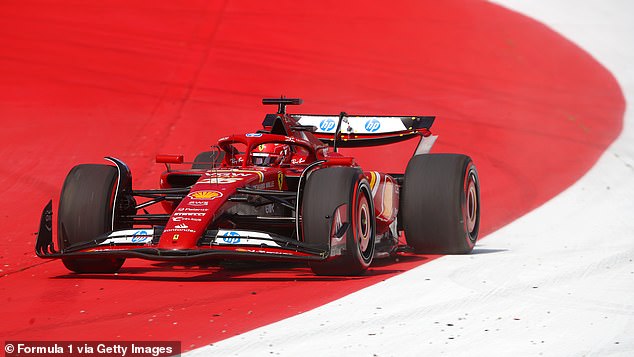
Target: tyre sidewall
column 434, row 203
column 86, row 211
column 326, row 190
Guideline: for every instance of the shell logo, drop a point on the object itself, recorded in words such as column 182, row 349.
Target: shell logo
column 204, row 195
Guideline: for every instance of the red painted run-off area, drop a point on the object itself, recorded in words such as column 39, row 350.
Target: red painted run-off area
column 83, row 79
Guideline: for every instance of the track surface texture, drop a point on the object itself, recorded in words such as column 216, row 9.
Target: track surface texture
column 557, row 282
column 80, row 80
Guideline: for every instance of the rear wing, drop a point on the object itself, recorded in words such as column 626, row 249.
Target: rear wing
column 345, row 130
column 366, row 130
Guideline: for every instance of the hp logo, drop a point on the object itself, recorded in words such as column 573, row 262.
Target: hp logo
column 139, row 237
column 372, row 125
column 327, row 125
column 231, row 237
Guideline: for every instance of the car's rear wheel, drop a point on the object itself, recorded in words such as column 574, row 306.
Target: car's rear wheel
column 440, row 204
column 86, row 211
column 337, row 207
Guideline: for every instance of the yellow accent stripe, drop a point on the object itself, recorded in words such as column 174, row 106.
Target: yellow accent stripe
column 372, row 179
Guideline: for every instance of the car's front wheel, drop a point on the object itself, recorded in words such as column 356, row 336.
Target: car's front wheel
column 338, row 215
column 86, row 210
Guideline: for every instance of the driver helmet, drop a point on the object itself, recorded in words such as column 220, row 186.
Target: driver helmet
column 270, row 154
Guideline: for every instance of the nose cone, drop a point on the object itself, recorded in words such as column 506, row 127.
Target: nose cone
column 202, row 205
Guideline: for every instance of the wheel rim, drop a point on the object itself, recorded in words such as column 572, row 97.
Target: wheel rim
column 364, row 228
column 471, row 205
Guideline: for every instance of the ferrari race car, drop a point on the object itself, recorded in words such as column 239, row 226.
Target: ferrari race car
column 284, row 192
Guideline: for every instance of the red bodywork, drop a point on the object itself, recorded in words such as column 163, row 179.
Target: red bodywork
column 212, row 208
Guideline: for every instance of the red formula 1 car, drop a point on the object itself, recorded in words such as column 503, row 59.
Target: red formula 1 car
column 281, row 193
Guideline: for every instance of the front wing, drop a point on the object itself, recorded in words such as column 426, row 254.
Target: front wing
column 214, row 244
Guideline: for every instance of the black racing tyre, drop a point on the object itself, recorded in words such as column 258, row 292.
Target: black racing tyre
column 206, row 160
column 440, row 204
column 85, row 212
column 333, row 197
